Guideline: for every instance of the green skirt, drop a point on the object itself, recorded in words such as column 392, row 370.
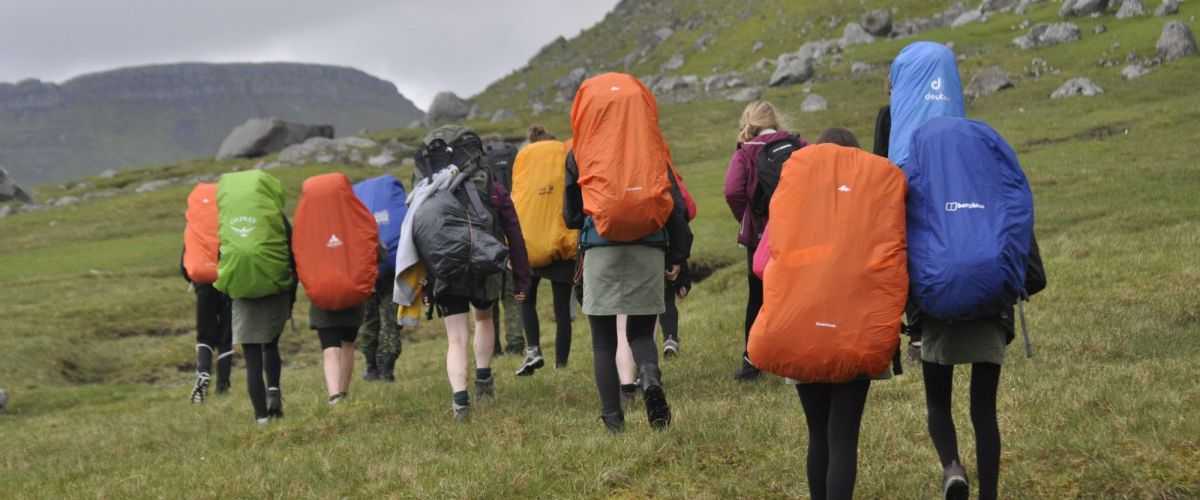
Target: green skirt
column 261, row 320
column 624, row 279
column 966, row 341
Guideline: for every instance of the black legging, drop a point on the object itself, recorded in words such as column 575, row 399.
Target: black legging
column 985, row 378
column 669, row 319
column 640, row 332
column 561, row 293
column 214, row 326
column 755, row 300
column 257, row 357
column 834, row 415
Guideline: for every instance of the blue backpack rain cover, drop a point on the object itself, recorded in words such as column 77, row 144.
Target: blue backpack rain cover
column 384, row 197
column 970, row 220
column 925, row 84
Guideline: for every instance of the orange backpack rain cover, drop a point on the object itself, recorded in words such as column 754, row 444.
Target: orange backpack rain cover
column 335, row 244
column 837, row 279
column 622, row 157
column 201, row 243
column 538, row 179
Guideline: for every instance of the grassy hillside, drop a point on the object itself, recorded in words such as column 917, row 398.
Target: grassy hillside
column 96, row 324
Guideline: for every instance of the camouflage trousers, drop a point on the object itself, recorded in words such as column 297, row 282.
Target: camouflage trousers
column 380, row 333
column 514, row 331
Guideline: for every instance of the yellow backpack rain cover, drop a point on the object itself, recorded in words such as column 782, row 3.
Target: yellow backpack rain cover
column 539, row 175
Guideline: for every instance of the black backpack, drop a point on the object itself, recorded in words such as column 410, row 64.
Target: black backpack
column 770, row 163
column 500, row 158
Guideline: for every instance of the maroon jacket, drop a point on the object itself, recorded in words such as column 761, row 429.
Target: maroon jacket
column 740, row 181
column 517, row 256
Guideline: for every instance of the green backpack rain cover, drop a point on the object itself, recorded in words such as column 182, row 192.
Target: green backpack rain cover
column 255, row 259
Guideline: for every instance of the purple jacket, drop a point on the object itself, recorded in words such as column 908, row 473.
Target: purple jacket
column 517, row 256
column 740, row 181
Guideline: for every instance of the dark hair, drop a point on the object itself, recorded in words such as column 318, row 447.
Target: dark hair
column 839, row 136
column 539, row 133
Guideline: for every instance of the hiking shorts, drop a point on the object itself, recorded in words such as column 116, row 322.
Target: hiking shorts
column 449, row 305
column 335, row 337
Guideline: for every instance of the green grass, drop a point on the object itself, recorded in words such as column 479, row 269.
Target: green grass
column 97, row 356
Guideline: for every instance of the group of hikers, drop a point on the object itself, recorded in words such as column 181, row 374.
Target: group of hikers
column 935, row 227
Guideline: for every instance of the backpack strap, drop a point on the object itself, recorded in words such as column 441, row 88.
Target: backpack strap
column 1024, row 326
column 472, row 193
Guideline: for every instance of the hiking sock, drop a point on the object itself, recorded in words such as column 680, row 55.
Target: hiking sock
column 461, row 398
column 483, row 373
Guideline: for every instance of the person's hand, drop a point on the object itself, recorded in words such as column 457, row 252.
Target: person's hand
column 682, row 293
column 520, row 297
column 673, row 272
column 425, row 299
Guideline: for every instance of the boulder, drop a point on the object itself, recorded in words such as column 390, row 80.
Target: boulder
column 792, row 68
column 1077, row 86
column 854, row 34
column 814, row 103
column 1100, row 28
column 745, row 95
column 878, row 22
column 569, row 85
column 152, row 186
column 301, row 153
column 1024, row 5
column 262, row 136
column 859, row 68
column 503, row 115
column 1046, row 35
column 820, row 48
column 1131, row 8
column 447, row 107
column 1082, row 8
column 662, row 34
column 5, row 210
column 672, row 64
column 108, row 174
column 989, row 6
column 717, row 83
column 757, row 47
column 989, row 81
column 1133, row 71
column 10, row 190
column 968, row 17
column 1167, row 8
column 65, row 201
column 1177, row 41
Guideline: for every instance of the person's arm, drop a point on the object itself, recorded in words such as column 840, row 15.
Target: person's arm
column 735, row 184
column 572, row 196
column 287, row 227
column 182, row 268
column 518, row 258
column 679, row 233
column 883, row 130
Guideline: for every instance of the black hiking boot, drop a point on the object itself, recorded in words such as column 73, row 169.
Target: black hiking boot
column 462, row 413
column 386, row 366
column 200, row 390
column 485, row 389
column 274, row 402
column 657, row 410
column 372, row 371
column 670, row 348
column 224, row 366
column 613, row 422
column 748, row 372
column 954, row 482
column 533, row 361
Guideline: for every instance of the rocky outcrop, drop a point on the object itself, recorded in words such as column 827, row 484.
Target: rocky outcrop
column 1167, row 8
column 1133, row 71
column 503, row 115
column 1076, row 87
column 1131, row 8
column 1177, row 41
column 854, row 34
column 814, row 103
column 9, row 190
column 989, row 81
column 447, row 107
column 792, row 68
column 260, row 137
column 1046, row 35
column 1082, row 8
column 878, row 22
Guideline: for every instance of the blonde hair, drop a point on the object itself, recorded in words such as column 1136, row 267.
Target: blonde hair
column 758, row 116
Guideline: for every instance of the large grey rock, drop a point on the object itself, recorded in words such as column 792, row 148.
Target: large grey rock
column 989, row 81
column 662, row 34
column 1099, row 29
column 854, row 34
column 858, row 68
column 1177, row 41
column 262, row 136
column 878, row 22
column 569, row 85
column 745, row 95
column 814, row 103
column 989, row 6
column 9, row 190
column 716, row 83
column 1131, row 8
column 447, row 107
column 674, row 63
column 1133, row 71
column 819, row 48
column 792, row 68
column 503, row 115
column 1082, row 8
column 1046, row 35
column 968, row 17
column 5, row 210
column 1167, row 8
column 1077, row 86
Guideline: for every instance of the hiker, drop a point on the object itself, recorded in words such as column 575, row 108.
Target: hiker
column 501, row 157
column 337, row 251
column 538, row 179
column 761, row 124
column 632, row 218
column 834, row 265
column 448, row 210
column 972, row 257
column 198, row 265
column 256, row 270
column 385, row 199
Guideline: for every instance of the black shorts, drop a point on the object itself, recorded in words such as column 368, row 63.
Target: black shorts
column 449, row 305
column 334, row 337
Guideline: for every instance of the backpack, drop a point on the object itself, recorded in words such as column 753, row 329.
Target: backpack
column 621, row 157
column 201, row 244
column 500, row 158
column 769, row 168
column 384, row 197
column 836, row 282
column 925, row 84
column 970, row 220
column 335, row 243
column 256, row 258
column 538, row 179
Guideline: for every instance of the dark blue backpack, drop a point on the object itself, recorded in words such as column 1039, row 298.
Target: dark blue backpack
column 970, row 220
column 384, row 196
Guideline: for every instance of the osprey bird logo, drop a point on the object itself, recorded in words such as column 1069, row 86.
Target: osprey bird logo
column 243, row 225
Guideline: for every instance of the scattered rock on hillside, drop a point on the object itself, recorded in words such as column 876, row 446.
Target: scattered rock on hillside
column 1133, row 71
column 1046, row 35
column 814, row 103
column 476, row 113
column 716, row 83
column 763, row 64
column 503, row 115
column 1167, row 8
column 792, row 68
column 323, row 150
column 674, row 63
column 701, row 44
column 1177, row 41
column 65, row 201
column 988, row 81
column 1131, row 8
column 152, row 186
column 858, row 68
column 1100, row 28
column 820, row 48
column 1077, row 86
column 108, row 174
column 539, row 108
column 569, row 85
column 1082, row 8
column 968, row 17
column 662, row 34
column 262, row 136
column 1024, row 5
column 382, row 159
column 5, row 210
column 447, row 107
column 757, row 47
column 854, row 34
column 10, row 190
column 878, row 22
column 745, row 95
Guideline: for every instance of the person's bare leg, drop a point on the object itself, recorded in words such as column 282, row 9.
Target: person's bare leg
column 485, row 338
column 456, row 351
column 347, row 365
column 333, row 370
column 626, row 367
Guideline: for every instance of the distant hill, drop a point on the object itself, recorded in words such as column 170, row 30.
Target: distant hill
column 154, row 114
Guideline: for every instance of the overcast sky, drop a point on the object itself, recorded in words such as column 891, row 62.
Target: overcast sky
column 423, row 46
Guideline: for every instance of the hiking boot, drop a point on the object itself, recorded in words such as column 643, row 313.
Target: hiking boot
column 462, row 413
column 337, row 398
column 914, row 352
column 533, row 361
column 614, row 422
column 386, row 365
column 954, row 482
column 670, row 348
column 485, row 389
column 274, row 402
column 372, row 371
column 657, row 411
column 747, row 373
column 200, row 390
